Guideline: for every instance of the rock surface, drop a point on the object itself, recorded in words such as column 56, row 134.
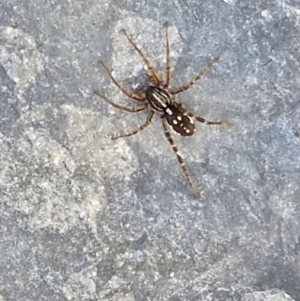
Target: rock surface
column 83, row 217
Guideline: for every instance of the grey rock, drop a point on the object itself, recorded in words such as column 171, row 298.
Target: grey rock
column 84, row 217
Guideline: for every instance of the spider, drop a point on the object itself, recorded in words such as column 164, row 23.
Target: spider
column 159, row 97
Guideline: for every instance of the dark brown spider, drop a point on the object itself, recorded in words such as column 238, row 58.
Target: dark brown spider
column 160, row 98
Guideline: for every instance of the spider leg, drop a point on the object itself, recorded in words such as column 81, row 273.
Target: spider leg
column 135, row 96
column 151, row 69
column 196, row 78
column 207, row 122
column 168, row 64
column 124, row 108
column 143, row 126
column 179, row 158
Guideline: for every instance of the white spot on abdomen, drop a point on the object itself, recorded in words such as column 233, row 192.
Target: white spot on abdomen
column 169, row 111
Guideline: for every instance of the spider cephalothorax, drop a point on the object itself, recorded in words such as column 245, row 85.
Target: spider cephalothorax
column 160, row 98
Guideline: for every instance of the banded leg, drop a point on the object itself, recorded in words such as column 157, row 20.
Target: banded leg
column 142, row 127
column 138, row 97
column 168, row 64
column 124, row 108
column 151, row 69
column 196, row 78
column 207, row 122
column 179, row 158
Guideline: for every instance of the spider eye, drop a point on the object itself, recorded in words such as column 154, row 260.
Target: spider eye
column 180, row 122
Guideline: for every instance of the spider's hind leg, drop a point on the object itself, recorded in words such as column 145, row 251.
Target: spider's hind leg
column 207, row 122
column 140, row 128
column 179, row 158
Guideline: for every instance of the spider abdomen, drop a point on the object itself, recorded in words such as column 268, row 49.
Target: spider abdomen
column 180, row 121
column 159, row 99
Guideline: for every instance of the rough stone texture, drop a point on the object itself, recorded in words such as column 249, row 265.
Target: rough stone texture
column 83, row 217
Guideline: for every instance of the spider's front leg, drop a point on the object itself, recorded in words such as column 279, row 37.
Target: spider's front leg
column 151, row 69
column 134, row 96
column 168, row 64
column 196, row 78
column 124, row 108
